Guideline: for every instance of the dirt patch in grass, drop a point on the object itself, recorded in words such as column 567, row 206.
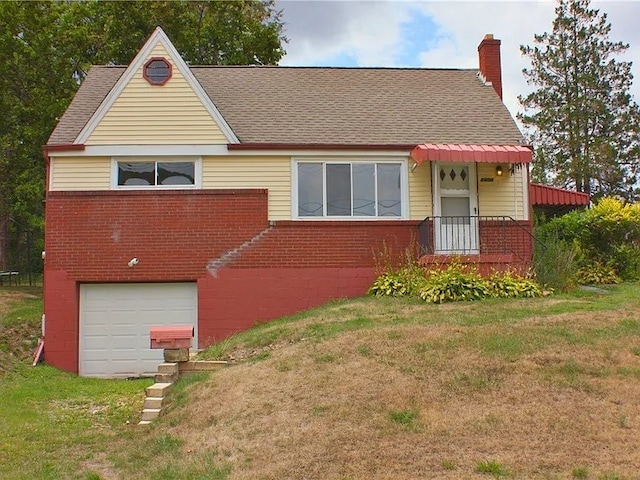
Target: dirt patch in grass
column 539, row 397
column 18, row 339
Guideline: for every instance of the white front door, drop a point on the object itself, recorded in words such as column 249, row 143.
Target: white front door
column 455, row 208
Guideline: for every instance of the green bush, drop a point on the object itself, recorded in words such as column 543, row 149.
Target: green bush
column 510, row 285
column 454, row 283
column 626, row 261
column 406, row 281
column 555, row 259
column 606, row 234
column 611, row 235
column 597, row 274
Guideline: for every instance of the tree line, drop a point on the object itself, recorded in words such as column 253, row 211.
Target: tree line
column 581, row 118
column 46, row 49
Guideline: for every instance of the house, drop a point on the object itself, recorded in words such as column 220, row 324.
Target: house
column 224, row 196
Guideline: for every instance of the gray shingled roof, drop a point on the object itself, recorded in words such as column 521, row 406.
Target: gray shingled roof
column 339, row 106
column 96, row 86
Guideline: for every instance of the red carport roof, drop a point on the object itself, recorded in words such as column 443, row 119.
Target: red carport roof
column 468, row 153
column 545, row 195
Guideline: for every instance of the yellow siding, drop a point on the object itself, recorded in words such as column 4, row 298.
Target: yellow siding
column 503, row 196
column 420, row 197
column 272, row 173
column 151, row 114
column 80, row 173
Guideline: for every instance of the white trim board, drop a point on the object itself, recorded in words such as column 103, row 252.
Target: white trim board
column 222, row 150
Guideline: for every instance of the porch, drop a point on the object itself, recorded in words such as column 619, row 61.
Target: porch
column 492, row 243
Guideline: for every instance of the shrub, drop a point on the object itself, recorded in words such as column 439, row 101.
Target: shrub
column 606, row 234
column 510, row 285
column 555, row 259
column 611, row 235
column 597, row 274
column 454, row 283
column 626, row 261
column 406, row 281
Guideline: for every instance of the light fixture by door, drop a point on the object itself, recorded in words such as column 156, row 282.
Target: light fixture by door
column 499, row 171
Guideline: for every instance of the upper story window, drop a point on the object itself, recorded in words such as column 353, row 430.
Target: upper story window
column 157, row 71
column 349, row 189
column 156, row 174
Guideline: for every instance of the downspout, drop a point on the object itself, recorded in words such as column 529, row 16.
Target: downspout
column 515, row 192
column 39, row 353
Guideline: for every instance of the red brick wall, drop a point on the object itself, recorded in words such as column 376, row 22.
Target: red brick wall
column 506, row 237
column 91, row 236
column 504, row 245
column 328, row 244
column 61, row 312
column 239, row 298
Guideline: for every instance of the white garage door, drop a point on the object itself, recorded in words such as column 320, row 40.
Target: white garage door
column 115, row 321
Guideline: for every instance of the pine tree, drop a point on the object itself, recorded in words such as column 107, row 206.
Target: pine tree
column 584, row 123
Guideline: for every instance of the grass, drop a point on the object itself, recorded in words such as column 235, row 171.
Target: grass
column 27, row 309
column 491, row 467
column 384, row 388
column 406, row 418
column 53, row 422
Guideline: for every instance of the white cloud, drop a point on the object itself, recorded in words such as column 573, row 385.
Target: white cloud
column 338, row 33
column 391, row 33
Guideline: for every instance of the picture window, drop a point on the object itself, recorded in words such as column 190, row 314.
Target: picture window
column 349, row 189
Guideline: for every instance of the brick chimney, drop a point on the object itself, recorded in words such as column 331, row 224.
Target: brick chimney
column 489, row 55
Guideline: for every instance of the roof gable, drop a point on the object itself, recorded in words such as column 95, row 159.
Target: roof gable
column 302, row 106
column 151, row 110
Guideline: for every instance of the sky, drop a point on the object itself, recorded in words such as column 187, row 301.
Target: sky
column 436, row 34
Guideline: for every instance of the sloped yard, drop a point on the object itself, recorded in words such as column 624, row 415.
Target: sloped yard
column 364, row 389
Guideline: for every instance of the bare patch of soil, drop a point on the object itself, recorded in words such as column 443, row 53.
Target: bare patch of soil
column 18, row 341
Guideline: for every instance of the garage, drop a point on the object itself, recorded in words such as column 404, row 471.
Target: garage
column 115, row 320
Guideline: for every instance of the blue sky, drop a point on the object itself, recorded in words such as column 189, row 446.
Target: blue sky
column 396, row 33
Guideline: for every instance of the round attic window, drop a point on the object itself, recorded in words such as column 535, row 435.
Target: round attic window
column 157, row 71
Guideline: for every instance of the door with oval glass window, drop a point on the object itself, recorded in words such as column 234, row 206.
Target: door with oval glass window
column 455, row 209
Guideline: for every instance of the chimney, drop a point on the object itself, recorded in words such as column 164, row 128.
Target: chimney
column 489, row 55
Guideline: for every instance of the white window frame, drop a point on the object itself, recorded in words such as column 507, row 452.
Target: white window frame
column 404, row 187
column 197, row 161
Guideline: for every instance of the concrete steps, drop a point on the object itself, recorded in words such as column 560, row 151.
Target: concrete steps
column 153, row 402
column 149, row 414
column 168, row 374
column 155, row 394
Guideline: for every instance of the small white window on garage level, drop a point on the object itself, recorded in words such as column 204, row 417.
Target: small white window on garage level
column 349, row 189
column 162, row 173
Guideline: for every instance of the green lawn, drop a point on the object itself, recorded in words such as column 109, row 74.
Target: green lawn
column 583, row 347
column 54, row 423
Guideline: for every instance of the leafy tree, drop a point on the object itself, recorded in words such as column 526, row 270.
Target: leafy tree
column 46, row 49
column 35, row 85
column 584, row 123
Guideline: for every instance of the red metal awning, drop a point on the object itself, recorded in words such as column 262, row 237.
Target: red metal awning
column 455, row 152
column 545, row 195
